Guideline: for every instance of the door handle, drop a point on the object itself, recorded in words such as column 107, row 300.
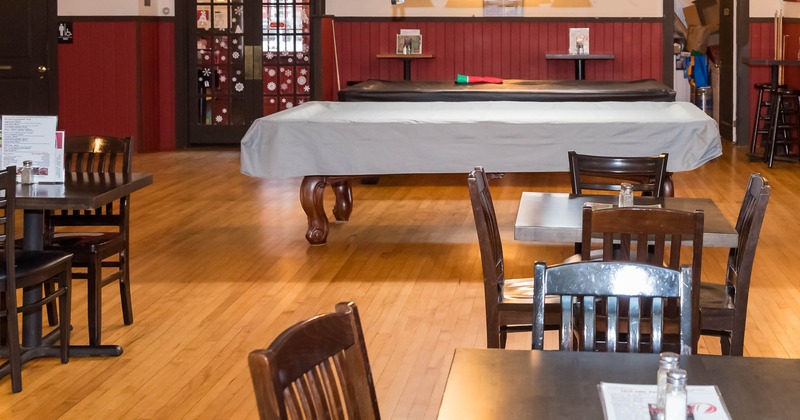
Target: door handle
column 6, row 67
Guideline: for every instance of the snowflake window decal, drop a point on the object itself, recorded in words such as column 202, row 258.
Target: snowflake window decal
column 303, row 72
column 288, row 73
column 222, row 79
column 270, row 55
column 224, row 110
column 235, row 54
column 218, row 118
column 307, row 88
column 271, row 72
column 301, row 80
column 239, row 87
column 289, row 105
column 271, row 86
column 284, row 86
column 206, row 72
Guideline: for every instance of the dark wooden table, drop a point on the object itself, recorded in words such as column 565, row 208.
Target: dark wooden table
column 79, row 191
column 580, row 61
column 557, row 217
column 406, row 61
column 522, row 384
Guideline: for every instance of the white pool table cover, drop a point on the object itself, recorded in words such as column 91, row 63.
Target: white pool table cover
column 377, row 138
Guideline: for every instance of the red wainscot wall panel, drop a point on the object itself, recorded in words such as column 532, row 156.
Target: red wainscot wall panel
column 97, row 73
column 762, row 41
column 118, row 78
column 513, row 49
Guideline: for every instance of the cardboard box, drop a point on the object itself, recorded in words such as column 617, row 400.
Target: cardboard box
column 692, row 16
column 709, row 13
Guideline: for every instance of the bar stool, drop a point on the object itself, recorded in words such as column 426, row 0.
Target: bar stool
column 785, row 125
column 761, row 122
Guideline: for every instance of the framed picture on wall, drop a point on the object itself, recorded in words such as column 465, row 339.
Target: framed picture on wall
column 579, row 40
column 409, row 44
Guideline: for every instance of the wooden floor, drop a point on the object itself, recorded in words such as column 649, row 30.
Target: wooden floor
column 220, row 266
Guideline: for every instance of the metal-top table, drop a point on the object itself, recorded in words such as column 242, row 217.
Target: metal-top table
column 522, row 384
column 557, row 217
column 80, row 191
column 580, row 61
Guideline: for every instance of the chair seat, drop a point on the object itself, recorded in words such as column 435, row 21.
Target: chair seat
column 715, row 317
column 86, row 242
column 31, row 263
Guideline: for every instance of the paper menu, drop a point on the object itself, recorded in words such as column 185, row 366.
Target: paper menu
column 33, row 138
column 630, row 401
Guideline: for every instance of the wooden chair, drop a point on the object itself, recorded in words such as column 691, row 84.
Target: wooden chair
column 27, row 269
column 93, row 251
column 605, row 173
column 585, row 281
column 660, row 233
column 316, row 369
column 508, row 302
column 723, row 307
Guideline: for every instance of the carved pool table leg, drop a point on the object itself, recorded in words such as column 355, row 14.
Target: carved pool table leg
column 669, row 186
column 311, row 193
column 344, row 199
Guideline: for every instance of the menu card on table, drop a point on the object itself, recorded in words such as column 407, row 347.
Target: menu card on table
column 33, row 138
column 631, row 402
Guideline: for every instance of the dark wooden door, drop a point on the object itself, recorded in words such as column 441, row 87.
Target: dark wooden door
column 247, row 59
column 28, row 80
column 727, row 70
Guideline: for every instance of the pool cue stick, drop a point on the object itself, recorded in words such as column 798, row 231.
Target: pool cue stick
column 336, row 57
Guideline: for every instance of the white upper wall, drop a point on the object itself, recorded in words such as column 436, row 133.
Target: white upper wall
column 469, row 8
column 767, row 8
column 115, row 8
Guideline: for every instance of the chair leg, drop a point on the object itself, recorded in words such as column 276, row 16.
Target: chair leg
column 52, row 312
column 503, row 338
column 125, row 288
column 12, row 340
column 736, row 347
column 95, row 297
column 64, row 305
column 725, row 344
column 492, row 334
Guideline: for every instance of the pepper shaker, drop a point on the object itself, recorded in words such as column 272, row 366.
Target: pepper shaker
column 26, row 173
column 626, row 195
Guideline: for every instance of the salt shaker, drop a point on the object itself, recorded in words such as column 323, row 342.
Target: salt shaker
column 626, row 195
column 675, row 405
column 666, row 361
column 26, row 173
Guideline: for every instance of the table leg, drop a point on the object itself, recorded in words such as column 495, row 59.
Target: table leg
column 580, row 69
column 668, row 187
column 406, row 69
column 32, row 239
column 311, row 194
column 344, row 200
